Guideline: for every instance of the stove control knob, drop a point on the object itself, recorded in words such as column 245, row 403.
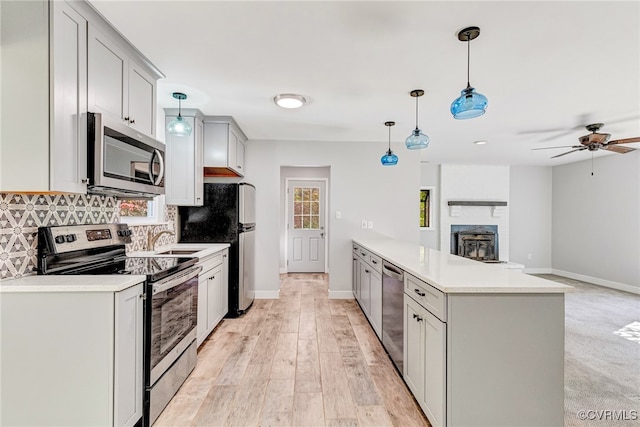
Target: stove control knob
column 120, row 233
column 59, row 239
column 70, row 238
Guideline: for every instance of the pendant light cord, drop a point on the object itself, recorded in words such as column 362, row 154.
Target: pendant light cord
column 179, row 107
column 389, row 137
column 468, row 58
column 416, row 117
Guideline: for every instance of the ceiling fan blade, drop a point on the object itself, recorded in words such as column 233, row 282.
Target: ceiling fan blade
column 616, row 149
column 624, row 141
column 563, row 154
column 560, row 146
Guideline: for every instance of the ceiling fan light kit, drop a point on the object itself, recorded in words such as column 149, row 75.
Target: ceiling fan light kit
column 417, row 140
column 178, row 126
column 389, row 159
column 470, row 103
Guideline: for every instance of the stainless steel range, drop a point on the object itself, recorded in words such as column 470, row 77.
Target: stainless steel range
column 171, row 296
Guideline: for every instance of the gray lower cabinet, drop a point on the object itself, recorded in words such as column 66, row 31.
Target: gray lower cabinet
column 424, row 360
column 72, row 358
column 213, row 294
column 367, row 286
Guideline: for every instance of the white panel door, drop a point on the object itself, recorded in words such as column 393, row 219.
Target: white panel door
column 108, row 76
column 141, row 101
column 306, row 226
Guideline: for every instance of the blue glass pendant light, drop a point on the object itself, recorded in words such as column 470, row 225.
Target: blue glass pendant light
column 470, row 103
column 417, row 140
column 389, row 159
column 179, row 126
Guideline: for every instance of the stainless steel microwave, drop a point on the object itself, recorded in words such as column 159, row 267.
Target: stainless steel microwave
column 122, row 161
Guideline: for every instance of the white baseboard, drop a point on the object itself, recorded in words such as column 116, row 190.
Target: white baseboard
column 268, row 294
column 597, row 281
column 539, row 270
column 283, row 270
column 340, row 294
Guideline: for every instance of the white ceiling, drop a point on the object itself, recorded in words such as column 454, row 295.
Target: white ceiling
column 543, row 65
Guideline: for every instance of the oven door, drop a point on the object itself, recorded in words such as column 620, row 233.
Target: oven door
column 173, row 315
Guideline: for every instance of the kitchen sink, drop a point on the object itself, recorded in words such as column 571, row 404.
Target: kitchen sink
column 179, row 252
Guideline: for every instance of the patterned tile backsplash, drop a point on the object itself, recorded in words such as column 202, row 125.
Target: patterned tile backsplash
column 22, row 214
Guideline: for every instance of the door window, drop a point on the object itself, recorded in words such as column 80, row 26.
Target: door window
column 306, row 208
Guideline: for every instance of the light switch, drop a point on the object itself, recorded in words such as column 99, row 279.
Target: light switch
column 338, row 214
column 370, row 224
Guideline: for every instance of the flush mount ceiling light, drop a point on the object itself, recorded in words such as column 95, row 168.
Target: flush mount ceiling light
column 289, row 100
column 178, row 126
column 480, row 142
column 389, row 159
column 417, row 140
column 469, row 104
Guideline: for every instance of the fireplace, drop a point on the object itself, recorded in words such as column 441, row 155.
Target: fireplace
column 478, row 242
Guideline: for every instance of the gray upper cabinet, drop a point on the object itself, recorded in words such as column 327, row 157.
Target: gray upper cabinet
column 184, row 176
column 46, row 149
column 59, row 60
column 118, row 86
column 224, row 145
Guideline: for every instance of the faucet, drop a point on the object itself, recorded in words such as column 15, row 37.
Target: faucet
column 153, row 238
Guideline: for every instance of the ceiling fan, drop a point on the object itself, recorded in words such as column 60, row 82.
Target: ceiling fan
column 597, row 141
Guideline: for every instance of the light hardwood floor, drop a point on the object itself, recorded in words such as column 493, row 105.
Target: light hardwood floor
column 301, row 360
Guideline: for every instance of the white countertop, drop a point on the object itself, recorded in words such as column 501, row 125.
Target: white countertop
column 72, row 283
column 203, row 250
column 454, row 274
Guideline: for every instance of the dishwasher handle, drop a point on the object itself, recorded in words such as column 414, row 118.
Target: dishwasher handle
column 392, row 271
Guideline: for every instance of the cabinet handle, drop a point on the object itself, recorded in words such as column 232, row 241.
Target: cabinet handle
column 363, row 254
column 126, row 119
column 84, row 180
column 374, row 261
column 418, row 318
column 132, row 121
column 417, row 291
column 367, row 271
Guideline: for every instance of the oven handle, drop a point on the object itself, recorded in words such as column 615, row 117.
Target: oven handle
column 176, row 280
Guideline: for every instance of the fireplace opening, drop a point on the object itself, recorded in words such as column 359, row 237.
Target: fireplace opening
column 477, row 242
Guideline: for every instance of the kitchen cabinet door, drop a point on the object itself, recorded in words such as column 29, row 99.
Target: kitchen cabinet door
column 224, row 299
column 355, row 271
column 365, row 288
column 214, row 297
column 142, row 100
column 414, row 338
column 434, row 369
column 203, row 301
column 376, row 302
column 183, row 175
column 68, row 145
column 108, row 76
column 128, row 356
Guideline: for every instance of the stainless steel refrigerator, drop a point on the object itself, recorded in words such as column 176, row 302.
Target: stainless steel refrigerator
column 227, row 216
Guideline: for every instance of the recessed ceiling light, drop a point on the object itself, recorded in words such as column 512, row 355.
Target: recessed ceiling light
column 480, row 142
column 289, row 100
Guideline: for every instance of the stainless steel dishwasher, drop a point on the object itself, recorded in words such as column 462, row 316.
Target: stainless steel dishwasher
column 393, row 312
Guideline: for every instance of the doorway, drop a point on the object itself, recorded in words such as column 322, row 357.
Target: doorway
column 304, row 224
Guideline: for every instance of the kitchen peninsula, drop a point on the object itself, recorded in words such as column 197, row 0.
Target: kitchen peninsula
column 483, row 344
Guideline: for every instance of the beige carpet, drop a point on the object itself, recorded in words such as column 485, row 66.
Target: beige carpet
column 602, row 356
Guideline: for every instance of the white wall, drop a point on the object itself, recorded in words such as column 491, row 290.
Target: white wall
column 474, row 183
column 297, row 172
column 530, row 217
column 596, row 221
column 360, row 187
column 430, row 177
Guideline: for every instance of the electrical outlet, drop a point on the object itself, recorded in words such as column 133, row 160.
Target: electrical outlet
column 338, row 214
column 370, row 224
column 364, row 223
column 529, row 256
